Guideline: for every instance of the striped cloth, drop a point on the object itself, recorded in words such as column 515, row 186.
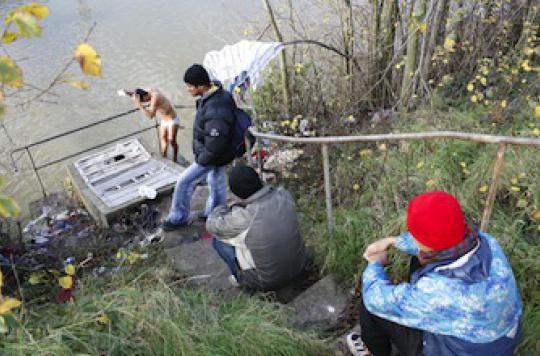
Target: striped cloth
column 249, row 56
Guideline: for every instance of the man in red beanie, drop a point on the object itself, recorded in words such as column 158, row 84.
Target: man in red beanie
column 461, row 299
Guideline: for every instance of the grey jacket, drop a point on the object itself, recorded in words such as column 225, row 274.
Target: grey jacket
column 264, row 230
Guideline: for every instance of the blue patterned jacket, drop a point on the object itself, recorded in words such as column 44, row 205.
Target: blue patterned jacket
column 470, row 306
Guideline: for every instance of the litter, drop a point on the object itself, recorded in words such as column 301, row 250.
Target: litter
column 147, row 192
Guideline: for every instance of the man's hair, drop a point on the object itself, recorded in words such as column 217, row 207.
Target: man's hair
column 196, row 75
column 141, row 93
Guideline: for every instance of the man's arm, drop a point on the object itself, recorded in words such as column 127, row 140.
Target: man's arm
column 226, row 223
column 149, row 112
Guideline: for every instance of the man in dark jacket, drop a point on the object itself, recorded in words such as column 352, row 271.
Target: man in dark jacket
column 212, row 135
column 258, row 237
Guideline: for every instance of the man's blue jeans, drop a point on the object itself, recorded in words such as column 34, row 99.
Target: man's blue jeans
column 227, row 253
column 181, row 202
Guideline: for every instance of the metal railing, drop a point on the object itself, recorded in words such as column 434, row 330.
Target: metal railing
column 37, row 168
column 501, row 141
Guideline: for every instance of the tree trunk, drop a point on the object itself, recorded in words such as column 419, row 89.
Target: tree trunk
column 282, row 60
column 407, row 89
column 348, row 37
column 388, row 20
column 433, row 29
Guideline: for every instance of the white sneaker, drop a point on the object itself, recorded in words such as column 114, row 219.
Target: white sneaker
column 233, row 281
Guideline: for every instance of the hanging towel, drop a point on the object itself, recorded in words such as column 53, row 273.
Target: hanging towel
column 249, row 56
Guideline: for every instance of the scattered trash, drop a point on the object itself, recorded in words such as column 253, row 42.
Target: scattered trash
column 147, row 192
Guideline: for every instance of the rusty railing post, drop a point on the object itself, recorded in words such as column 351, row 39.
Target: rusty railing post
column 327, row 187
column 497, row 168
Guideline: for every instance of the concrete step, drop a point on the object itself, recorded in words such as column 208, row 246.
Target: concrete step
column 319, row 307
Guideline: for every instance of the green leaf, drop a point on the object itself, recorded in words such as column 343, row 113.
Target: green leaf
column 10, row 73
column 9, row 36
column 8, row 207
column 27, row 24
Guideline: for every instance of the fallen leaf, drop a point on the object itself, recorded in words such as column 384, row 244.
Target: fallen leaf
column 7, row 304
column 65, row 282
column 483, row 189
column 103, row 319
column 70, row 269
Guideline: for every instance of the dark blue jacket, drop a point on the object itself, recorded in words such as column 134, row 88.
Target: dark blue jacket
column 213, row 129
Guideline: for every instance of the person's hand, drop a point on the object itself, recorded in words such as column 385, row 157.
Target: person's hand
column 381, row 257
column 380, row 245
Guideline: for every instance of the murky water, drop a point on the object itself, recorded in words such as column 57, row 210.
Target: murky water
column 142, row 43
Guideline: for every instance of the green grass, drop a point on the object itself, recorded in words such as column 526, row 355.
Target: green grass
column 150, row 315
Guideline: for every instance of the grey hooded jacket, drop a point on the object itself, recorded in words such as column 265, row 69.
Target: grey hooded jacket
column 264, row 231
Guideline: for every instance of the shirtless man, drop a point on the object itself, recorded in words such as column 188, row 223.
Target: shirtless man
column 169, row 121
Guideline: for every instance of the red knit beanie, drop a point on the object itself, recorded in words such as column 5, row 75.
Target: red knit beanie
column 435, row 220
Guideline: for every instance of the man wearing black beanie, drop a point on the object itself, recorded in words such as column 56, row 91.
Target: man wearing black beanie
column 258, row 237
column 212, row 134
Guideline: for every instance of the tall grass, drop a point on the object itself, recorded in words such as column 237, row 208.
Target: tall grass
column 151, row 315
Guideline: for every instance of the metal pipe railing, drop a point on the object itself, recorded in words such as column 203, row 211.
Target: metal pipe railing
column 36, row 168
column 502, row 141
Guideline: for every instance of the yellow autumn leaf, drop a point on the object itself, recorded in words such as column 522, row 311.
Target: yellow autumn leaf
column 483, row 80
column 474, row 99
column 39, row 11
column 65, row 282
column 420, row 164
column 103, row 319
column 7, row 304
column 525, row 66
column 514, row 180
column 9, row 36
column 536, row 215
column 422, row 27
column 470, row 87
column 79, row 84
column 536, row 131
column 365, row 153
column 1, row 282
column 70, row 269
column 449, row 44
column 8, row 207
column 35, row 278
column 89, row 60
column 515, row 189
column 537, row 111
column 483, row 189
column 356, row 186
column 503, row 104
column 463, row 164
column 10, row 74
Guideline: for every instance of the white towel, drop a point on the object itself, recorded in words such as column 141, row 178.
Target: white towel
column 249, row 56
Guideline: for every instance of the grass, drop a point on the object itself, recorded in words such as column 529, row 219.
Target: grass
column 371, row 192
column 148, row 314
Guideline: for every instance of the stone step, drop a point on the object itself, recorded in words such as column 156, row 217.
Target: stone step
column 319, row 307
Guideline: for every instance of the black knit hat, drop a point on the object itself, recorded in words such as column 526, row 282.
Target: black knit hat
column 196, row 75
column 244, row 181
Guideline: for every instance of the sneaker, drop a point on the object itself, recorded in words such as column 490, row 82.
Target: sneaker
column 233, row 281
column 167, row 226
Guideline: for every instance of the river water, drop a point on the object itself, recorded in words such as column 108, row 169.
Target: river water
column 142, row 43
